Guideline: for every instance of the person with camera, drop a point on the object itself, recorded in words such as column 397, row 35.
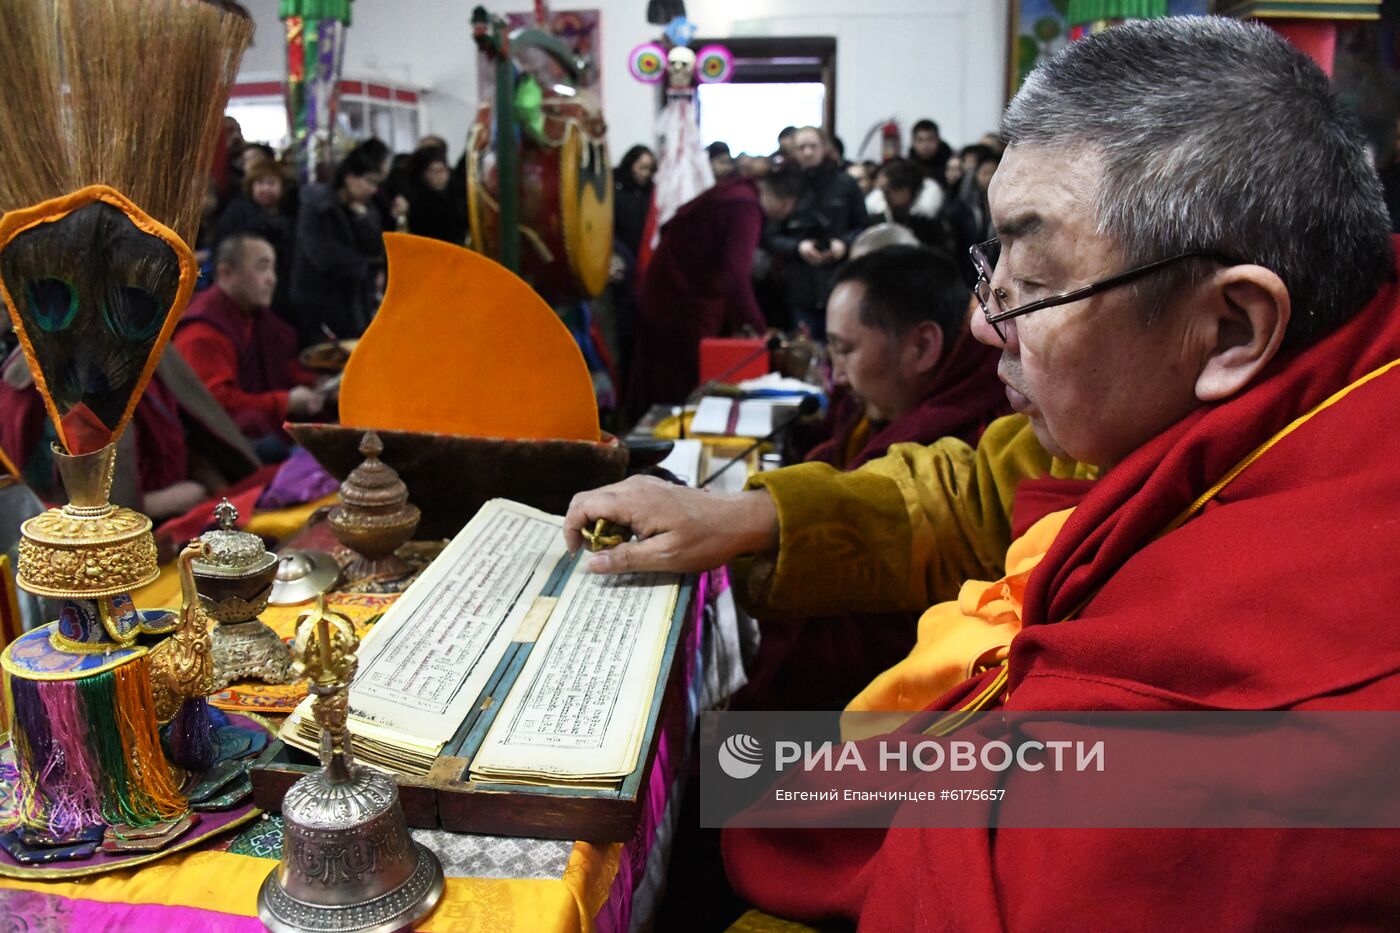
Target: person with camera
column 818, row 234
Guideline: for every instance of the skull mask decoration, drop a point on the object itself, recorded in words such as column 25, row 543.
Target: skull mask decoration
column 680, row 69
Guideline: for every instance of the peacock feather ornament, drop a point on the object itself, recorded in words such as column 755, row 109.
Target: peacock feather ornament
column 92, row 282
column 104, row 155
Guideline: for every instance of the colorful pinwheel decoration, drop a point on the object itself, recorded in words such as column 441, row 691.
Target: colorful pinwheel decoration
column 648, row 63
column 714, row 64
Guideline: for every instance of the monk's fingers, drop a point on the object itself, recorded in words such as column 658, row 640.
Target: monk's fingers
column 640, row 555
column 621, row 504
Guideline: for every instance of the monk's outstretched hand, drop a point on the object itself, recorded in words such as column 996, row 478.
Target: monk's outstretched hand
column 677, row 529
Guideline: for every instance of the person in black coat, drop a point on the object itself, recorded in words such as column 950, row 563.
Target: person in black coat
column 632, row 188
column 339, row 263
column 814, row 239
column 903, row 185
column 432, row 212
column 929, row 152
column 388, row 200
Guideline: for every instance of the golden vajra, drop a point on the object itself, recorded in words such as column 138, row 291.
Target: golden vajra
column 604, row 535
column 325, row 655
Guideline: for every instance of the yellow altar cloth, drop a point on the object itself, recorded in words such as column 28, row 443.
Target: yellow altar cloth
column 198, row 886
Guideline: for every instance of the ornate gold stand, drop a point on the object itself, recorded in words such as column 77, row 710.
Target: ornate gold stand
column 89, row 550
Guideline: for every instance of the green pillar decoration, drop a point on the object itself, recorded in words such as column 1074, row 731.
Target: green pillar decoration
column 1088, row 16
column 315, row 53
column 493, row 39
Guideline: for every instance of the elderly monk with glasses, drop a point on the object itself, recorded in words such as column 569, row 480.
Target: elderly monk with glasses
column 1193, row 292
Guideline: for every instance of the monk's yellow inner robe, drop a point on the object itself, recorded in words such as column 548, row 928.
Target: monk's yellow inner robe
column 856, row 442
column 960, row 637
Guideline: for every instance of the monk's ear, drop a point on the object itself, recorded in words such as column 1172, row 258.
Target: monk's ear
column 925, row 342
column 1247, row 309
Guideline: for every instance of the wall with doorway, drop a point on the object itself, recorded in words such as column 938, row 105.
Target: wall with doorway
column 904, row 58
column 944, row 59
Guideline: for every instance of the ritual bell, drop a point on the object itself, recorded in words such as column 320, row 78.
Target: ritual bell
column 348, row 861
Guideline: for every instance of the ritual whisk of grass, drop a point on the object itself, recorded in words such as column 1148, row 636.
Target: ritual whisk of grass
column 125, row 93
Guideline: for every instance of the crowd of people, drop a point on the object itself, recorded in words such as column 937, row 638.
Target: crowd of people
column 283, row 266
column 817, row 206
column 806, row 203
column 329, row 255
column 759, row 252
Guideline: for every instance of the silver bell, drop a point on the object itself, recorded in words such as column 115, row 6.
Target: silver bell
column 348, row 863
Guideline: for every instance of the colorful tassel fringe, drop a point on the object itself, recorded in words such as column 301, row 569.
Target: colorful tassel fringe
column 70, row 751
column 88, row 751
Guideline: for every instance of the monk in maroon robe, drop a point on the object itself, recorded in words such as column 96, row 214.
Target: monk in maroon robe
column 1193, row 289
column 892, row 395
column 1230, row 562
column 244, row 354
column 183, row 449
column 906, row 371
column 1258, row 642
column 698, row 284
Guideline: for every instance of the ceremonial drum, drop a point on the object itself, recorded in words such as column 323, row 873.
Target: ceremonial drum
column 566, row 199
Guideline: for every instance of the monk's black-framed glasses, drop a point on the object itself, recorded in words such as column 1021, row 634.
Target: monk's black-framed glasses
column 993, row 300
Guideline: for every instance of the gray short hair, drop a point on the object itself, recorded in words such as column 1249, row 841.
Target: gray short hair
column 1219, row 135
column 882, row 236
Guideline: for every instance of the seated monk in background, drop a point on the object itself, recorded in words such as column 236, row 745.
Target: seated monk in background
column 897, row 333
column 244, row 354
column 1193, row 289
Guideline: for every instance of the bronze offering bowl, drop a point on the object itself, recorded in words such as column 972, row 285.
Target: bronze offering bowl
column 374, row 518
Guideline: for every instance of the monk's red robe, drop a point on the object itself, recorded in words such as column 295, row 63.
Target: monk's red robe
column 821, row 663
column 246, row 359
column 697, row 285
column 1277, row 594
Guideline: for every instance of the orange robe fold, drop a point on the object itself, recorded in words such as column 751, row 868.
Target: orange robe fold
column 959, row 637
